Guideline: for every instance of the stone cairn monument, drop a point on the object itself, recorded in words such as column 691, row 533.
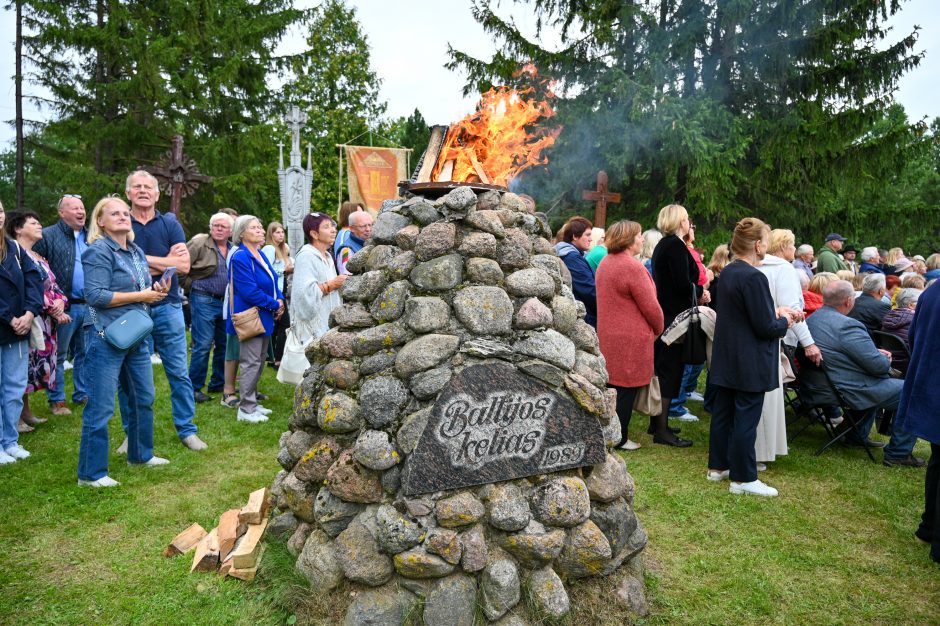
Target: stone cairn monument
column 449, row 446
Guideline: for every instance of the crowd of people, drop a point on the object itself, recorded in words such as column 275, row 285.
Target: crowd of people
column 110, row 291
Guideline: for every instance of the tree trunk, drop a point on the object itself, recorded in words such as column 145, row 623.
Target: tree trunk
column 19, row 181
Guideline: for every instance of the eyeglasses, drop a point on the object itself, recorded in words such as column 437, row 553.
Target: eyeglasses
column 72, row 195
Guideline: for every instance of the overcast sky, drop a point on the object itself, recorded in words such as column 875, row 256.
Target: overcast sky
column 409, row 48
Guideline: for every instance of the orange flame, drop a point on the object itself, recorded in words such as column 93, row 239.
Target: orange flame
column 493, row 145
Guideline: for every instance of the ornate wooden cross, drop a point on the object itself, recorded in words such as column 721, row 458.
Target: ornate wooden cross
column 178, row 174
column 601, row 197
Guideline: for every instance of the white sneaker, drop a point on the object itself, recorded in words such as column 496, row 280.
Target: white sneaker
column 17, row 451
column 755, row 488
column 263, row 410
column 687, row 417
column 193, row 442
column 629, row 444
column 155, row 359
column 122, row 449
column 104, row 481
column 696, row 397
column 761, row 467
column 67, row 366
column 6, row 458
column 716, row 476
column 153, row 462
column 254, row 418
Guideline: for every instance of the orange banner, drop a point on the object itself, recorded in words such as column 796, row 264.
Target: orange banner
column 374, row 174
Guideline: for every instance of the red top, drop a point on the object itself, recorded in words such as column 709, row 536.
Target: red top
column 629, row 319
column 812, row 302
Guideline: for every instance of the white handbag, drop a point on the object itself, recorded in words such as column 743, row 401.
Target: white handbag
column 294, row 360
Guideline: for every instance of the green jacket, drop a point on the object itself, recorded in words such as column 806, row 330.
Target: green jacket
column 829, row 261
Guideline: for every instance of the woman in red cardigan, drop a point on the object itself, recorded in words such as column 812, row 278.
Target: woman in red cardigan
column 629, row 319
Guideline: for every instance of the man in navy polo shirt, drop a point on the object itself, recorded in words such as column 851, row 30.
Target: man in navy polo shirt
column 162, row 240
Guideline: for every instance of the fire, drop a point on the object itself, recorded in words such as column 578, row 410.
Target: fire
column 493, row 144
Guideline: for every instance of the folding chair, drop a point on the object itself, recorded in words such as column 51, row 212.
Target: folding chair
column 900, row 353
column 824, row 393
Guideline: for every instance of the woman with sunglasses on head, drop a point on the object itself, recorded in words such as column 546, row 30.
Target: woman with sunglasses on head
column 315, row 279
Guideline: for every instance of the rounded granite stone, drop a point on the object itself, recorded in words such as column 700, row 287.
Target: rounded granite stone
column 562, row 501
column 484, row 310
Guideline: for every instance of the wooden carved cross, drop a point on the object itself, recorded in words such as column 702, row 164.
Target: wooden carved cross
column 178, row 174
column 601, row 197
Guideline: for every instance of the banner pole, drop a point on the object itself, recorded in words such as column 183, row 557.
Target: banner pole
column 339, row 186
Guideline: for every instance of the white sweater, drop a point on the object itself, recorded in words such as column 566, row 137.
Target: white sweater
column 786, row 291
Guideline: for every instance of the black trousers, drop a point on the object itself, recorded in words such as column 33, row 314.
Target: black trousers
column 626, row 396
column 733, row 432
column 930, row 522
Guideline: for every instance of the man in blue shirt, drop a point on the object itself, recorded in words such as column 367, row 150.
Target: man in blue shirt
column 360, row 231
column 62, row 245
column 162, row 240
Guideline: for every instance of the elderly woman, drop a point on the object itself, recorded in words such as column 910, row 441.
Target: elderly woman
column 777, row 266
column 898, row 321
column 651, row 238
column 253, row 284
column 21, row 286
column 315, row 279
column 676, row 275
column 117, row 280
column 26, row 229
column 628, row 320
column 575, row 241
column 745, row 360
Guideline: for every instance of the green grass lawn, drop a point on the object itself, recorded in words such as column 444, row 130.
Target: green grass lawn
column 835, row 548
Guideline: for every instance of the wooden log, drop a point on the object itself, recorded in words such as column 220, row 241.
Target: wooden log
column 477, row 167
column 185, row 541
column 257, row 508
column 447, row 171
column 246, row 573
column 248, row 548
column 206, row 558
column 431, row 154
column 230, row 529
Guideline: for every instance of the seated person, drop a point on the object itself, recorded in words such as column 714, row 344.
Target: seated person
column 869, row 308
column 858, row 369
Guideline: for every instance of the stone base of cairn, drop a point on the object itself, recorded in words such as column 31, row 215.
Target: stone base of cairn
column 445, row 285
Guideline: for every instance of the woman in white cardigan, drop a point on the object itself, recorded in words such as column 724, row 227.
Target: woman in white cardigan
column 314, row 291
column 786, row 291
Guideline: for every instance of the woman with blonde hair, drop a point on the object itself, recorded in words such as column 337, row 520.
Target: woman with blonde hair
column 822, row 279
column 651, row 237
column 278, row 253
column 894, row 255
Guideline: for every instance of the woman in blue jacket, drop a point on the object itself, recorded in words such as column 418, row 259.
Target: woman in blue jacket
column 576, row 240
column 253, row 283
column 22, row 289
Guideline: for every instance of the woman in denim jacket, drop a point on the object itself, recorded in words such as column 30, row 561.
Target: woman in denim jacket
column 116, row 281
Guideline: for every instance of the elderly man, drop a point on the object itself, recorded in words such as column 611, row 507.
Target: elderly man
column 161, row 238
column 828, row 258
column 869, row 308
column 858, row 369
column 208, row 274
column 871, row 261
column 804, row 260
column 360, row 229
column 62, row 245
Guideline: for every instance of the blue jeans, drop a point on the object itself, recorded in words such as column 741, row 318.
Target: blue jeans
column 169, row 339
column 901, row 444
column 14, row 361
column 71, row 338
column 131, row 373
column 689, row 381
column 208, row 332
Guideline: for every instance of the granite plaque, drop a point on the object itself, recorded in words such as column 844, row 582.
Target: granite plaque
column 492, row 423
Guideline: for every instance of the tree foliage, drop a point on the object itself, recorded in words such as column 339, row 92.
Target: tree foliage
column 733, row 107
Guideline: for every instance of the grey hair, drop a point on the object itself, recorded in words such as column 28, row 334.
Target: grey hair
column 804, row 280
column 145, row 174
column 804, row 249
column 869, row 253
column 907, row 297
column 836, row 292
column 354, row 217
column 651, row 237
column 873, row 283
column 241, row 225
column 222, row 216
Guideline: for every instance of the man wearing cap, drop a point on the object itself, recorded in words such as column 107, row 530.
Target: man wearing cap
column 848, row 257
column 828, row 258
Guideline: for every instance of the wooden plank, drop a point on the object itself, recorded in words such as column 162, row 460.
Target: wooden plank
column 206, row 558
column 185, row 541
column 246, row 573
column 431, row 154
column 246, row 551
column 230, row 529
column 478, row 168
column 257, row 508
column 447, row 171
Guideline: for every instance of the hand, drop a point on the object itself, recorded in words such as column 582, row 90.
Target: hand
column 63, row 319
column 179, row 249
column 339, row 280
column 814, row 354
column 152, row 294
column 57, row 308
column 706, row 297
column 280, row 310
column 886, row 353
column 22, row 323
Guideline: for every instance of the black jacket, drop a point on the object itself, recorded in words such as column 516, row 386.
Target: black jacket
column 869, row 311
column 57, row 246
column 675, row 273
column 21, row 286
column 747, row 334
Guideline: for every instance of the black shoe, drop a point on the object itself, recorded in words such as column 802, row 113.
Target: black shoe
column 674, row 430
column 871, row 444
column 198, row 396
column 908, row 461
column 676, row 442
column 260, row 397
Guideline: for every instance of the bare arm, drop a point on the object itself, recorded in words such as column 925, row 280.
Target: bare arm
column 178, row 258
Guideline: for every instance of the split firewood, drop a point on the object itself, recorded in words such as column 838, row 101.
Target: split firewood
column 207, row 553
column 257, row 508
column 185, row 541
column 248, row 547
column 447, row 171
column 246, row 573
column 477, row 167
column 431, row 154
column 230, row 529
